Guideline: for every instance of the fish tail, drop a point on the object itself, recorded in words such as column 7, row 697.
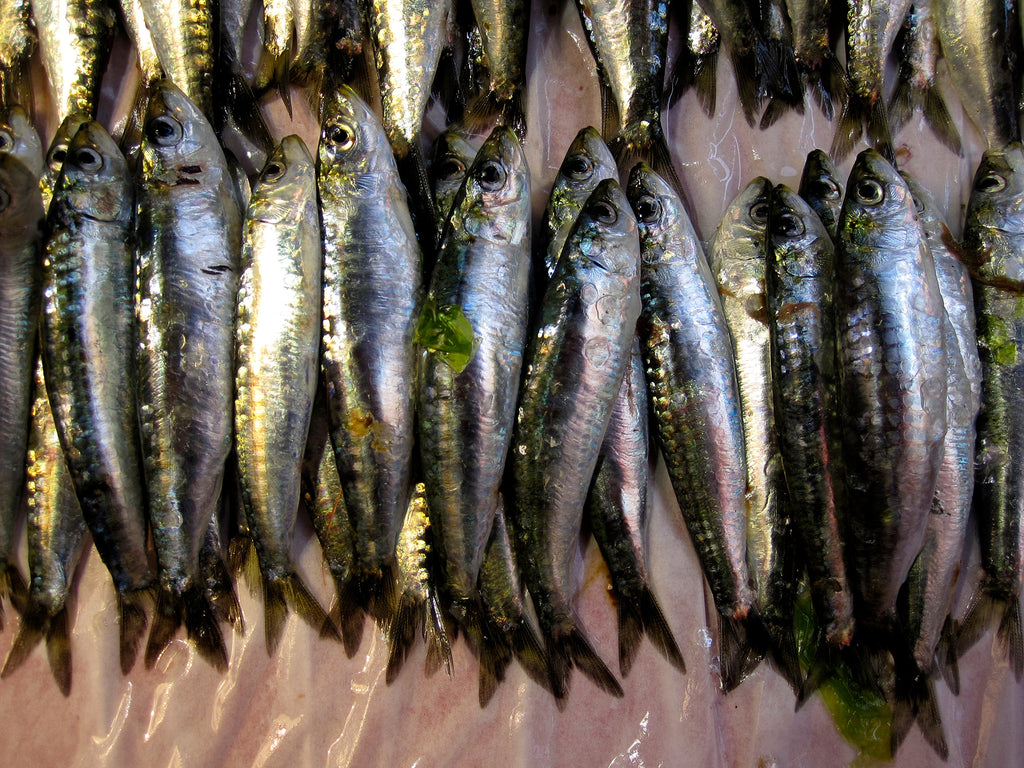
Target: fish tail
column 58, row 649
column 376, row 594
column 348, row 616
column 242, row 559
column 221, row 589
column 985, row 605
column 645, row 615
column 569, row 648
column 13, row 588
column 879, row 134
column 494, row 660
column 33, row 628
column 487, row 110
column 914, row 701
column 237, row 103
column 131, row 137
column 435, row 631
column 513, row 113
column 167, row 618
column 776, row 641
column 948, row 662
column 705, row 81
column 200, row 619
column 527, row 649
column 656, row 154
column 849, row 129
column 1011, row 637
column 747, row 66
column 289, row 592
column 736, row 654
column 16, row 86
column 132, row 623
column 775, row 109
column 413, row 170
column 787, row 85
column 906, row 100
column 609, row 115
column 274, row 72
column 406, row 623
column 448, row 86
column 828, row 84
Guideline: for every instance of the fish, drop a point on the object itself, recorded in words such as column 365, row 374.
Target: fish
column 150, row 73
column 871, row 27
column 697, row 63
column 587, row 163
column 738, row 260
column 17, row 45
column 189, row 245
column 371, row 303
column 778, row 33
column 982, row 45
column 816, row 60
column 406, row 64
column 800, row 290
column 466, row 409
column 88, row 350
column 504, row 31
column 56, row 154
column 694, row 396
column 453, row 154
column 916, row 86
column 993, row 247
column 890, row 325
column 616, row 509
column 21, row 220
column 75, row 40
column 56, row 532
column 419, row 607
column 506, row 616
column 277, row 346
column 822, row 188
column 575, row 363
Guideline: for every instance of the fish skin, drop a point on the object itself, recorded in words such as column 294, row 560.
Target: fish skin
column 17, row 45
column 55, row 532
column 693, row 390
column 994, row 252
column 88, row 342
column 822, row 188
column 738, row 260
column 978, row 38
column 189, row 235
column 182, row 34
column 372, row 299
column 800, row 282
column 466, row 418
column 575, row 363
column 890, row 326
column 277, row 366
column 75, row 40
column 21, row 223
column 504, row 30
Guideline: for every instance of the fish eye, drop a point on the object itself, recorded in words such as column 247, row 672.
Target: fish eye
column 789, row 225
column 579, row 167
column 6, row 140
column 759, row 212
column 604, row 213
column 648, row 209
column 164, row 131
column 491, row 175
column 918, row 205
column 5, row 200
column 991, row 182
column 869, row 191
column 57, row 157
column 273, row 171
column 450, row 168
column 89, row 160
column 825, row 189
column 342, row 136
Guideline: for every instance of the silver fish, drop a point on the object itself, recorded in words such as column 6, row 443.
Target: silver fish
column 822, row 188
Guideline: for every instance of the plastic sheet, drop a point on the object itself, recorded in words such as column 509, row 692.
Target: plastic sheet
column 310, row 705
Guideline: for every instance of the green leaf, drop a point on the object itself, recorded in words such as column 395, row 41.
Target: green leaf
column 444, row 330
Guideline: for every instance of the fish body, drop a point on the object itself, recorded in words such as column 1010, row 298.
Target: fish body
column 890, row 324
column 189, row 233
column 738, row 260
column 691, row 382
column 822, row 188
column 574, row 368
column 277, row 367
column 182, row 34
column 372, row 299
column 504, row 29
column 17, row 44
column 697, row 62
column 466, row 414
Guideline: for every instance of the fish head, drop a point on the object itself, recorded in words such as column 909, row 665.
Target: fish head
column 494, row 200
column 453, row 154
column 19, row 138
column 95, row 180
column 21, row 207
column 666, row 232
column 178, row 142
column 587, row 163
column 605, row 235
column 928, row 212
column 994, row 228
column 798, row 242
column 286, row 185
column 878, row 210
column 745, row 220
column 58, row 151
column 354, row 154
column 820, row 179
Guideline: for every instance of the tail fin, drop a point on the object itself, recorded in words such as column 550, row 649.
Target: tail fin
column 243, row 561
column 879, row 134
column 907, row 99
column 486, row 111
column 700, row 72
column 36, row 625
column 12, row 587
column 644, row 615
column 828, row 84
column 221, row 589
column 656, row 154
column 915, row 701
column 236, row 103
column 852, row 120
column 289, row 592
column 193, row 609
column 569, row 647
column 782, row 654
column 948, row 662
column 412, row 617
column 737, row 657
column 274, row 71
column 984, row 606
column 132, row 623
column 131, row 137
column 375, row 594
column 348, row 616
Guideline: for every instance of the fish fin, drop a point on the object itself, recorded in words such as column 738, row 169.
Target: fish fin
column 735, row 652
column 435, row 632
column 14, row 588
column 879, row 135
column 200, row 619
column 242, row 559
column 569, row 648
column 906, row 100
column 823, row 666
column 274, row 72
column 645, row 615
column 937, row 114
column 32, row 629
column 447, row 86
column 221, row 590
column 849, row 129
column 787, row 85
column 705, row 81
column 981, row 612
column 236, row 102
column 413, row 170
column 132, row 623
column 915, row 702
column 1011, row 637
column 131, row 137
column 529, row 652
column 348, row 616
column 948, row 662
column 58, row 649
column 656, row 154
column 16, row 86
column 745, row 67
column 513, row 114
column 167, row 618
column 289, row 592
column 609, row 114
column 828, row 84
column 776, row 641
column 775, row 109
column 405, row 625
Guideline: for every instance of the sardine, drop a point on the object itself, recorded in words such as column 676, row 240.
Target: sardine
column 56, row 154
column 466, row 413
column 189, row 234
column 697, row 62
column 816, row 60
column 453, row 154
column 994, row 252
column 778, row 32
column 504, row 29
column 277, row 362
column 738, row 260
column 892, row 357
column 372, row 298
column 88, row 341
column 21, row 218
column 822, row 188
column 574, row 368
column 691, row 383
